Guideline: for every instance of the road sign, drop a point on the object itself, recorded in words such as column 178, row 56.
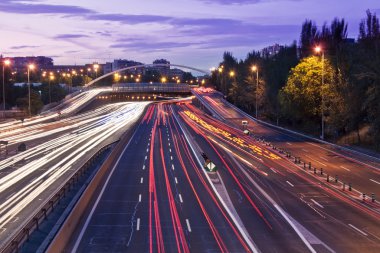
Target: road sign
column 211, row 167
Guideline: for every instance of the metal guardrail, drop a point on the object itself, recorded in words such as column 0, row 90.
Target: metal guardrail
column 40, row 215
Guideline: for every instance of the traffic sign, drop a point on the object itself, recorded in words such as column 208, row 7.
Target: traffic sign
column 211, row 167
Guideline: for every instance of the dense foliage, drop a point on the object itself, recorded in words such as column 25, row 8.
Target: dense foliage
column 290, row 87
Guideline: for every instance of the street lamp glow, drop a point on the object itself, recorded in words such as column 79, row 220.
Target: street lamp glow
column 96, row 66
column 220, row 70
column 6, row 62
column 254, row 68
column 30, row 67
column 163, row 80
column 232, row 73
column 318, row 49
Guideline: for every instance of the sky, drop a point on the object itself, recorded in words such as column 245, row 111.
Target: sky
column 189, row 32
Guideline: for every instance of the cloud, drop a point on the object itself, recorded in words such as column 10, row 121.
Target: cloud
column 230, row 2
column 31, row 7
column 23, row 47
column 144, row 45
column 129, row 19
column 72, row 51
column 70, row 36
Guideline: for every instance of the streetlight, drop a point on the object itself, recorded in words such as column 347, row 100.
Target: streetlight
column 318, row 50
column 30, row 67
column 163, row 80
column 256, row 69
column 96, row 66
column 232, row 73
column 5, row 63
column 51, row 78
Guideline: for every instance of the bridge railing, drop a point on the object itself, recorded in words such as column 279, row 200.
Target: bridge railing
column 151, row 87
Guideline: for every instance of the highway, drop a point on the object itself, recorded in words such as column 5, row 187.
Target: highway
column 29, row 178
column 329, row 222
column 359, row 170
column 158, row 198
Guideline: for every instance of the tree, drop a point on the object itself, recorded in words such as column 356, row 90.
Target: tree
column 309, row 37
column 301, row 98
column 35, row 102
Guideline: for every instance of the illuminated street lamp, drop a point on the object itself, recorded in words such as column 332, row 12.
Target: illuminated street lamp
column 96, row 67
column 256, row 69
column 51, row 78
column 163, row 80
column 5, row 63
column 30, row 67
column 318, row 50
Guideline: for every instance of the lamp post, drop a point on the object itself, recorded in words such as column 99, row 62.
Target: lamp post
column 5, row 63
column 256, row 69
column 30, row 67
column 318, row 50
column 51, row 78
column 96, row 66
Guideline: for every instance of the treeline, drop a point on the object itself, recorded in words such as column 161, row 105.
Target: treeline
column 291, row 91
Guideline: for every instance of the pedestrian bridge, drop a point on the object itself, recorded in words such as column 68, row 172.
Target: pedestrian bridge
column 154, row 88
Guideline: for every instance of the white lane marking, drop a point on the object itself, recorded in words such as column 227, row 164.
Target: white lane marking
column 376, row 182
column 171, row 158
column 169, row 144
column 180, row 197
column 324, row 158
column 146, row 157
column 305, row 150
column 170, row 150
column 363, row 233
column 138, row 224
column 345, row 168
column 289, row 143
column 321, row 163
column 272, row 169
column 188, row 225
column 141, row 180
column 292, row 185
column 139, row 197
column 143, row 167
column 176, row 180
column 315, row 202
column 172, row 166
column 168, row 139
column 147, row 150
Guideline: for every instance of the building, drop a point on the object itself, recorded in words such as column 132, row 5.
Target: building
column 176, row 73
column 271, row 50
column 163, row 70
column 122, row 63
column 21, row 63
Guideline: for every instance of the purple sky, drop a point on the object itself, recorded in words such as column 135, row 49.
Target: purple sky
column 190, row 32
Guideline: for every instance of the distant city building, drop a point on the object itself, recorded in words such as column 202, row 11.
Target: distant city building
column 107, row 68
column 122, row 63
column 176, row 73
column 163, row 70
column 21, row 63
column 271, row 50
